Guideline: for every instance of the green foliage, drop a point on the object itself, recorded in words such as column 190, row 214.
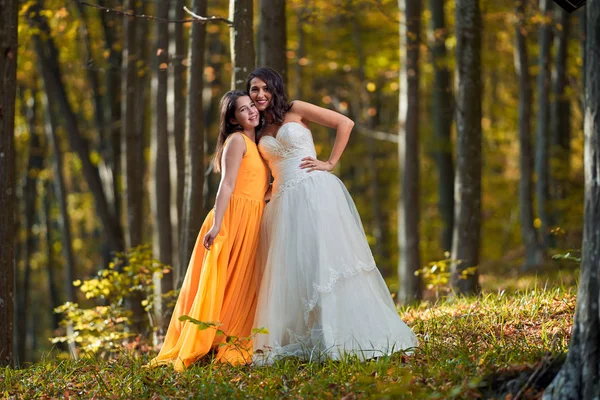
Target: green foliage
column 436, row 274
column 105, row 328
column 570, row 255
column 228, row 339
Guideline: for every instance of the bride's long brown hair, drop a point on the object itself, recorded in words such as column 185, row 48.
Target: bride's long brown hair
column 275, row 113
column 226, row 127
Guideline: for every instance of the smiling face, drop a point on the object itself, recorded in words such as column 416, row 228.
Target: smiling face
column 246, row 114
column 260, row 93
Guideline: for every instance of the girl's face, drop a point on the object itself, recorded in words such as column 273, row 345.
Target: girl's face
column 260, row 93
column 246, row 114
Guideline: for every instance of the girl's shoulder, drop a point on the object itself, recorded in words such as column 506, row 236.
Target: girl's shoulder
column 236, row 139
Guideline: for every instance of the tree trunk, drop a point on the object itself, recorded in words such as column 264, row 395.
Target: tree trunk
column 51, row 128
column 579, row 378
column 272, row 36
column 51, row 74
column 560, row 144
column 467, row 184
column 160, row 198
column 533, row 254
column 542, row 133
column 362, row 107
column 8, row 84
column 215, row 84
column 442, row 111
column 112, row 26
column 242, row 41
column 176, row 147
column 131, row 135
column 50, row 262
column 192, row 214
column 30, row 194
column 301, row 50
column 92, row 75
column 409, row 261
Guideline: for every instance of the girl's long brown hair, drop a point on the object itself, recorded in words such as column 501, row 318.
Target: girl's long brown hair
column 226, row 127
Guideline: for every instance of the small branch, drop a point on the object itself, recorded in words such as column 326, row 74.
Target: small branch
column 389, row 137
column 196, row 19
column 363, row 130
column 199, row 18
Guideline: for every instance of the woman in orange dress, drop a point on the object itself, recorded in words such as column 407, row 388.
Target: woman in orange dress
column 220, row 286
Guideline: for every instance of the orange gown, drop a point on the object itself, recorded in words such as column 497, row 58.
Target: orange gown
column 220, row 285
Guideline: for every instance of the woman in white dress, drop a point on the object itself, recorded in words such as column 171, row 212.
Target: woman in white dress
column 321, row 295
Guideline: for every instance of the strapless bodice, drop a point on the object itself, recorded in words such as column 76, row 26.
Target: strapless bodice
column 284, row 155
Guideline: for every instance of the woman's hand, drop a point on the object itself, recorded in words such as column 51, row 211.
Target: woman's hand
column 210, row 236
column 312, row 164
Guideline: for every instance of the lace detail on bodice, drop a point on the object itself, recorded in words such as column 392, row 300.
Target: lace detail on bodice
column 284, row 154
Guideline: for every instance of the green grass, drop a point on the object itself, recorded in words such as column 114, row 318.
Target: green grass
column 462, row 341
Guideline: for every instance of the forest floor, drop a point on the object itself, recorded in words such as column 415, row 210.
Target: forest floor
column 505, row 344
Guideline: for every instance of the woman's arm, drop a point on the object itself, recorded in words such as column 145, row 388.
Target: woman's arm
column 342, row 124
column 232, row 159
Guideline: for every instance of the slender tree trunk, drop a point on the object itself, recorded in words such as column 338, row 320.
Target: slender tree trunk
column 442, row 121
column 362, row 107
column 50, row 262
column 92, row 74
column 467, row 184
column 176, row 147
column 160, row 198
column 51, row 74
column 242, row 41
column 533, row 254
column 30, row 195
column 132, row 134
column 272, row 36
column 543, row 132
column 215, row 85
column 301, row 50
column 112, row 27
column 579, row 378
column 560, row 117
column 409, row 261
column 8, row 84
column 194, row 144
column 51, row 128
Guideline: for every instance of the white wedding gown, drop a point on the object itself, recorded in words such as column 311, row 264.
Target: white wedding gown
column 321, row 295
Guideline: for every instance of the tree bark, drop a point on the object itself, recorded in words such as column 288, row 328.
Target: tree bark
column 112, row 28
column 8, row 84
column 409, row 261
column 160, row 198
column 51, row 74
column 560, row 117
column 301, row 50
column 272, row 36
column 92, row 75
column 30, row 195
column 194, row 145
column 51, row 128
column 467, row 184
column 243, row 58
column 50, row 262
column 533, row 253
column 542, row 133
column 363, row 104
column 579, row 378
column 176, row 146
column 442, row 110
